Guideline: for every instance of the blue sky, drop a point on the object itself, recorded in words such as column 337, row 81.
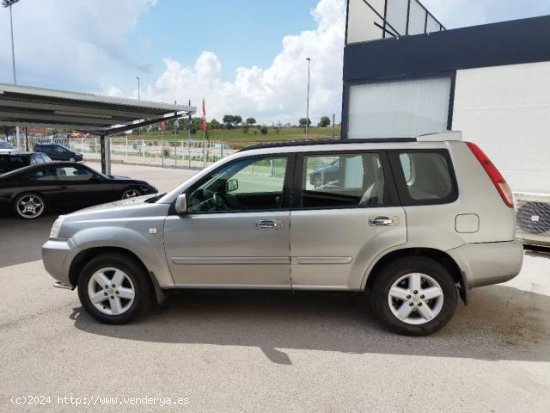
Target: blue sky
column 242, row 56
column 239, row 32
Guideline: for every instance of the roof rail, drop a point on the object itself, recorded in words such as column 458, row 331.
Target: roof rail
column 325, row 142
column 440, row 136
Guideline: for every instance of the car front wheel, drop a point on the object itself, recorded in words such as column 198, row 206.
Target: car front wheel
column 114, row 289
column 130, row 193
column 414, row 296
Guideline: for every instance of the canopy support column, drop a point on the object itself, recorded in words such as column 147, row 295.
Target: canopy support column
column 105, row 154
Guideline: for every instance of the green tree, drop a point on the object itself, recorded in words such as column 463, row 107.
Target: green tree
column 303, row 122
column 214, row 124
column 228, row 121
column 324, row 122
column 264, row 130
column 237, row 120
column 251, row 121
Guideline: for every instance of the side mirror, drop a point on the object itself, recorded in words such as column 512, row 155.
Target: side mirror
column 181, row 204
column 231, row 185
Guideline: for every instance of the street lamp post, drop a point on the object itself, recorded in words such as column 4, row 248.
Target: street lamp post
column 139, row 87
column 307, row 103
column 9, row 3
column 139, row 96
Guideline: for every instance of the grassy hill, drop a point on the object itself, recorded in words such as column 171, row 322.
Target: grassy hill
column 238, row 138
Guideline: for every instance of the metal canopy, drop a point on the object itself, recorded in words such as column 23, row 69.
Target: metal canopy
column 100, row 115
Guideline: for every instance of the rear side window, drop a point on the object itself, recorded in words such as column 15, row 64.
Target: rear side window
column 425, row 177
column 343, row 180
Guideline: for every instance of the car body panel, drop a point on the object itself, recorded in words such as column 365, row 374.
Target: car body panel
column 331, row 248
column 228, row 249
column 323, row 249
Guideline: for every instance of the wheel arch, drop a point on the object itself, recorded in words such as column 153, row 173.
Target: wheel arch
column 83, row 257
column 437, row 255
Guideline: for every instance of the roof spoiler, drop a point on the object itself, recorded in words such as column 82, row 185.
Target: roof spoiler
column 440, row 136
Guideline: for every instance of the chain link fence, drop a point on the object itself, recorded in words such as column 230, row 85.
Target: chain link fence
column 166, row 153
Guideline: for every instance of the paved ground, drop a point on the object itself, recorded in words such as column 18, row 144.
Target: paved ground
column 266, row 352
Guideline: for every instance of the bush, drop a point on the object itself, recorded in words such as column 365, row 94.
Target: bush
column 166, row 152
column 264, row 130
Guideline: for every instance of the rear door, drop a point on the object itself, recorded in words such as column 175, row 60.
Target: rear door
column 338, row 228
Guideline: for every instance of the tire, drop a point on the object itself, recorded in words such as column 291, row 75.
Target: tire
column 130, row 193
column 403, row 306
column 29, row 206
column 118, row 303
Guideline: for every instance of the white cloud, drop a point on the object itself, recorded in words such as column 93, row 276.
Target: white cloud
column 276, row 93
column 68, row 43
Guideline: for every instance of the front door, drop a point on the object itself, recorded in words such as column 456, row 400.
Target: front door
column 236, row 233
column 342, row 221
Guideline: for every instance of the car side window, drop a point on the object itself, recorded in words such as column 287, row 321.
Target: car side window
column 46, row 174
column 73, row 173
column 252, row 184
column 426, row 176
column 350, row 180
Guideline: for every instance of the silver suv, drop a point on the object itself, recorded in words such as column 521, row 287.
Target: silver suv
column 411, row 223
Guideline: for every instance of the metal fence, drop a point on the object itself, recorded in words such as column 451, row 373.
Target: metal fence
column 183, row 153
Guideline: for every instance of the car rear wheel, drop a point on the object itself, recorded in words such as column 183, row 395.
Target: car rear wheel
column 30, row 206
column 131, row 193
column 414, row 296
column 114, row 289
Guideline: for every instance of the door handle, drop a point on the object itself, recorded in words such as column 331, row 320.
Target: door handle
column 268, row 224
column 382, row 221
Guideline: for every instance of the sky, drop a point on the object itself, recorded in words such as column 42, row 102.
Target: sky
column 245, row 57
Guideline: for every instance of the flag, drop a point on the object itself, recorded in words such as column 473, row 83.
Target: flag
column 204, row 125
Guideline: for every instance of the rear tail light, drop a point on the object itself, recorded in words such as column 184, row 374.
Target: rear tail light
column 496, row 177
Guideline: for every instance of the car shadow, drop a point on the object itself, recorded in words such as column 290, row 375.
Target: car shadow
column 501, row 323
column 21, row 240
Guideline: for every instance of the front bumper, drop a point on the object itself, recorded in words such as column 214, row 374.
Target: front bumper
column 489, row 263
column 56, row 258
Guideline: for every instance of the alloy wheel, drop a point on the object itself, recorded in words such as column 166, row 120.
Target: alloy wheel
column 30, row 206
column 415, row 298
column 111, row 291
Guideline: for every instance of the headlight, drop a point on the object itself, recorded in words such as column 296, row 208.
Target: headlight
column 56, row 227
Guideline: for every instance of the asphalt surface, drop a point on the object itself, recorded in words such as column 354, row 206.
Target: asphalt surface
column 253, row 352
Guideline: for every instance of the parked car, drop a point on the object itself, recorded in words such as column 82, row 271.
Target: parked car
column 33, row 190
column 412, row 223
column 326, row 175
column 58, row 152
column 6, row 148
column 21, row 159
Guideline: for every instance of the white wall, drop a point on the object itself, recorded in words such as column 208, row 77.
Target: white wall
column 506, row 110
column 399, row 109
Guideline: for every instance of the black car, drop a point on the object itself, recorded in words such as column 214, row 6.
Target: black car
column 33, row 190
column 20, row 160
column 58, row 152
column 328, row 175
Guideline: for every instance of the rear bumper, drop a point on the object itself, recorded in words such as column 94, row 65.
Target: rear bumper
column 489, row 263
